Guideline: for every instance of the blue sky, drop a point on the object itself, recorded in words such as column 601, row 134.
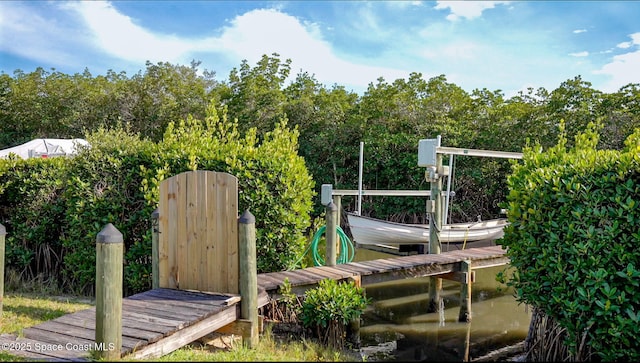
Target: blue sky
column 498, row 45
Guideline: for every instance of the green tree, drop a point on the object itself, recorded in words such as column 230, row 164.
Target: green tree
column 254, row 95
column 163, row 94
column 328, row 135
column 620, row 115
column 576, row 103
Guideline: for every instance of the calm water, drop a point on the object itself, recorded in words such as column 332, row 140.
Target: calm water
column 396, row 322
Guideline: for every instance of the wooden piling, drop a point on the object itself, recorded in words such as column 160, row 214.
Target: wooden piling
column 109, row 266
column 248, row 278
column 353, row 328
column 3, row 233
column 465, row 292
column 155, row 253
column 337, row 200
column 435, row 226
column 331, row 234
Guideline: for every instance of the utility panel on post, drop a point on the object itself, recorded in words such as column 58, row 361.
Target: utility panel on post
column 326, row 192
column 427, row 152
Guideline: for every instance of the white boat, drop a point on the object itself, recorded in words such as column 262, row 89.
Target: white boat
column 372, row 231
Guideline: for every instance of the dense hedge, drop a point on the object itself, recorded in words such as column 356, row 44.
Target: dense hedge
column 575, row 242
column 54, row 208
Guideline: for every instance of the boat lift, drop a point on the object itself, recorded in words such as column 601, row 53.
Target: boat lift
column 430, row 156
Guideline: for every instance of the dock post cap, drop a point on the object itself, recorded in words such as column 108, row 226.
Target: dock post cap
column 332, row 206
column 3, row 230
column 156, row 213
column 247, row 218
column 109, row 234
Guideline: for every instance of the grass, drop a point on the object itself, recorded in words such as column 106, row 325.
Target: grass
column 22, row 310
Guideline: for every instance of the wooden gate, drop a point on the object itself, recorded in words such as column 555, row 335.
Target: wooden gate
column 198, row 232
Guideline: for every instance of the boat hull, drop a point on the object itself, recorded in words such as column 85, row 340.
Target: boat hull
column 372, row 231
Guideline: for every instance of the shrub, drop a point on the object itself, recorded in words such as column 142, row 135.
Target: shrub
column 31, row 209
column 575, row 243
column 330, row 307
column 54, row 208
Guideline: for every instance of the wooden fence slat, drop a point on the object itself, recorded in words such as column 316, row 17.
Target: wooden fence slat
column 172, row 233
column 222, row 232
column 163, row 236
column 230, row 185
column 181, row 227
column 211, row 245
column 203, row 238
column 189, row 277
column 221, row 264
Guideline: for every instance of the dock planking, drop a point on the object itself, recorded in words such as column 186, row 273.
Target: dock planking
column 149, row 318
column 386, row 269
column 158, row 321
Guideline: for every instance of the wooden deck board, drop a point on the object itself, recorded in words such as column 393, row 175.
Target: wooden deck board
column 299, row 277
column 131, row 329
column 87, row 318
column 166, row 301
column 85, row 333
column 327, row 272
column 268, row 281
column 34, row 349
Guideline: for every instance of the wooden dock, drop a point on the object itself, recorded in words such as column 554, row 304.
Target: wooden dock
column 445, row 265
column 154, row 323
column 159, row 321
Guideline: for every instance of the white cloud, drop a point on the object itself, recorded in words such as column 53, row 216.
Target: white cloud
column 624, row 45
column 247, row 36
column 635, row 40
column 259, row 32
column 580, row 54
column 624, row 68
column 41, row 38
column 119, row 36
column 467, row 9
column 578, row 31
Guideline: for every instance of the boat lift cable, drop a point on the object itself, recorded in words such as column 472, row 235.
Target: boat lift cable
column 347, row 249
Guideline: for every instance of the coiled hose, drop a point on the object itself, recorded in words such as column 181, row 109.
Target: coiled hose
column 347, row 249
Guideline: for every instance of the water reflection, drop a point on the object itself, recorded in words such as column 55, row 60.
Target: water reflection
column 397, row 320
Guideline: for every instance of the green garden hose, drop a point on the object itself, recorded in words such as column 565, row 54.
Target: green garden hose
column 347, row 250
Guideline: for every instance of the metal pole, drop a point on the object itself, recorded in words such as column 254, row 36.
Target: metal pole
column 359, row 206
column 449, row 177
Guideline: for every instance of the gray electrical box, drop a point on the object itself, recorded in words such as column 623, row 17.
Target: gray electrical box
column 427, row 152
column 325, row 194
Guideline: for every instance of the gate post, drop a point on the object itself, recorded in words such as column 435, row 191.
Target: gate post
column 248, row 277
column 109, row 251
